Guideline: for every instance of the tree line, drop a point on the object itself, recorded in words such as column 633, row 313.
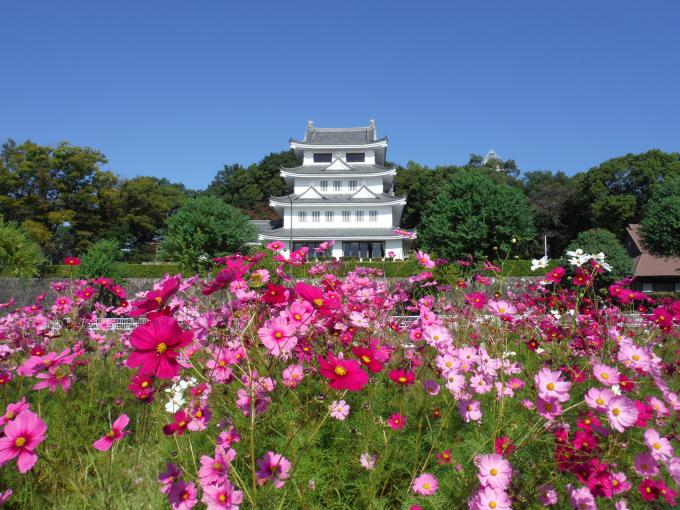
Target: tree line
column 64, row 200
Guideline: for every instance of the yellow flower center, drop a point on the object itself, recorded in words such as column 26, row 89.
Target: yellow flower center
column 600, row 401
column 365, row 359
column 217, row 466
column 492, row 504
column 426, row 486
column 493, row 472
column 161, row 348
column 199, row 414
column 656, row 446
column 222, row 498
column 402, row 379
column 145, row 384
column 340, row 370
column 110, row 433
column 616, row 411
column 501, row 309
column 158, row 299
column 550, row 386
column 548, row 406
column 182, row 424
column 222, row 363
column 636, row 357
column 277, row 335
column 297, row 316
column 318, row 301
column 20, row 441
column 185, row 495
column 604, row 375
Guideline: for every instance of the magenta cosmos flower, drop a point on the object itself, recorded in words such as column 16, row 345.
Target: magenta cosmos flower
column 214, row 470
column 182, row 495
column 343, row 374
column 278, row 336
column 622, row 413
column 273, row 467
column 425, row 484
column 21, row 437
column 494, row 471
column 397, row 421
column 115, row 434
column 156, row 345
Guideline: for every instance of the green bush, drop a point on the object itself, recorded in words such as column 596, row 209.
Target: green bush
column 19, row 255
column 102, row 260
column 600, row 240
column 660, row 225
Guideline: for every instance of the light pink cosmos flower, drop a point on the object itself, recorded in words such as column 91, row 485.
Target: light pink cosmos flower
column 493, row 471
column 551, row 386
column 368, row 461
column 646, row 466
column 598, row 398
column 622, row 413
column 425, row 484
column 431, row 387
column 115, row 434
column 547, row 495
column 13, row 410
column 278, row 336
column 548, row 409
column 182, row 495
column 470, row 410
column 634, row 356
column 293, row 375
column 21, row 437
column 273, row 467
column 660, row 447
column 222, row 497
column 581, row 498
column 490, row 498
column 214, row 470
column 424, row 260
column 501, row 307
column 339, row 409
column 605, row 374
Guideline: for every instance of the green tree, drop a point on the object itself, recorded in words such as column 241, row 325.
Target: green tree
column 250, row 188
column 660, row 225
column 615, row 192
column 600, row 240
column 472, row 215
column 102, row 259
column 19, row 254
column 205, row 227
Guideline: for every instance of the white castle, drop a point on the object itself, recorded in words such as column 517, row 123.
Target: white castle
column 342, row 191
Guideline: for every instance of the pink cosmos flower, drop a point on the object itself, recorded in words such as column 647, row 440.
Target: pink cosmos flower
column 645, row 465
column 431, row 387
column 502, row 307
column 470, row 410
column 56, row 376
column 222, row 497
column 5, row 495
column 606, row 375
column 493, row 471
column 273, row 467
column 490, row 498
column 13, row 410
column 368, row 358
column 476, row 299
column 221, row 358
column 293, row 375
column 547, row 495
column 622, row 413
column 551, row 386
column 581, row 498
column 598, row 398
column 115, row 434
column 339, row 409
column 425, row 484
column 21, row 437
column 424, row 260
column 397, row 421
column 278, row 336
column 368, row 461
column 402, row 377
column 167, row 478
column 179, row 425
column 343, row 374
column 182, row 495
column 660, row 447
column 548, row 409
column 214, row 470
column 156, row 345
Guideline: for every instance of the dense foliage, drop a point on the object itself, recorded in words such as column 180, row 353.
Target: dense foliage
column 203, row 228
column 248, row 390
column 486, row 215
column 102, row 259
column 19, row 255
column 660, row 225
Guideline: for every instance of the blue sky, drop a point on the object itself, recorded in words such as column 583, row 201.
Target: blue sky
column 177, row 89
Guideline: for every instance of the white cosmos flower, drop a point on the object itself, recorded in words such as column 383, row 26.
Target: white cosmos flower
column 539, row 263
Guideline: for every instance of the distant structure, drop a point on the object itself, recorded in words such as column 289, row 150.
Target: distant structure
column 651, row 273
column 342, row 192
column 492, row 157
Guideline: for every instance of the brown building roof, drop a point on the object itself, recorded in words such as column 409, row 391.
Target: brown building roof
column 647, row 264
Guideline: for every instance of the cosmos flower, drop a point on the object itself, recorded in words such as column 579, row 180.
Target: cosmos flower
column 493, row 471
column 116, row 433
column 21, row 437
column 273, row 467
column 156, row 345
column 339, row 409
column 425, row 484
column 342, row 374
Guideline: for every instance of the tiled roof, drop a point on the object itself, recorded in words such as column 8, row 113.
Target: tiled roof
column 339, row 199
column 332, row 233
column 354, row 168
column 647, row 264
column 339, row 136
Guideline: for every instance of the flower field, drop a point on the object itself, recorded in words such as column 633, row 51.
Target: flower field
column 252, row 389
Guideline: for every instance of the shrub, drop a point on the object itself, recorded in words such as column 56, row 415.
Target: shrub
column 472, row 215
column 660, row 225
column 600, row 240
column 19, row 255
column 102, row 260
column 203, row 228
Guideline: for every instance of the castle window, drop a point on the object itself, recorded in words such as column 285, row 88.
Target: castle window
column 302, row 216
column 323, row 185
column 329, row 216
column 359, row 216
column 347, row 216
column 337, row 185
column 356, row 157
column 372, row 215
column 316, row 216
column 322, row 157
column 352, row 185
